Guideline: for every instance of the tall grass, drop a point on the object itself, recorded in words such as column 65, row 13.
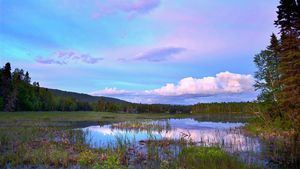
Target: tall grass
column 208, row 157
column 60, row 147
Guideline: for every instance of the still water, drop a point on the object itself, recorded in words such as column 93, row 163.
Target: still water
column 227, row 135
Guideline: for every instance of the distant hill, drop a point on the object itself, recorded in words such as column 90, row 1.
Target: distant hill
column 84, row 97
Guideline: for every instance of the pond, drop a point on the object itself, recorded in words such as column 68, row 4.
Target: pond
column 227, row 135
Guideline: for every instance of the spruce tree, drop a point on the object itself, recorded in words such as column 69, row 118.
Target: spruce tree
column 288, row 21
column 27, row 78
column 7, row 87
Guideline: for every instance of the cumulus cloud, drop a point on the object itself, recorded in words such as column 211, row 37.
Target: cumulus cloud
column 225, row 86
column 224, row 82
column 64, row 57
column 131, row 7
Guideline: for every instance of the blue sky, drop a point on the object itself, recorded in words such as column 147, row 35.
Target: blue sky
column 150, row 51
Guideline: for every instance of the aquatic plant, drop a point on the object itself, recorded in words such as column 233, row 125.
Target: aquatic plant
column 112, row 162
column 87, row 158
column 207, row 157
column 143, row 125
column 60, row 147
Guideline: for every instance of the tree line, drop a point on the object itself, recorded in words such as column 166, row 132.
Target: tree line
column 17, row 93
column 105, row 106
column 229, row 107
column 278, row 74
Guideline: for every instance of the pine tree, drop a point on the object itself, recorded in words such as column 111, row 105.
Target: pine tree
column 288, row 21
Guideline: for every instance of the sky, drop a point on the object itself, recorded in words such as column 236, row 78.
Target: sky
column 143, row 51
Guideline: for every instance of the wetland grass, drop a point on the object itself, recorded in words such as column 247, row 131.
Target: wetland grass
column 53, row 147
column 143, row 125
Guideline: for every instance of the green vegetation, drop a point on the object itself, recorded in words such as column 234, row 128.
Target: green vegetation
column 283, row 146
column 47, row 147
column 231, row 107
column 18, row 94
column 38, row 144
column 288, row 20
column 81, row 97
column 60, row 147
column 278, row 75
column 105, row 106
column 267, row 129
column 268, row 76
column 69, row 148
column 57, row 118
column 138, row 125
column 208, row 157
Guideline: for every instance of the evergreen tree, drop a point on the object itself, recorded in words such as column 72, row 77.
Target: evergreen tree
column 7, row 87
column 17, row 94
column 288, row 21
column 27, row 78
column 1, row 91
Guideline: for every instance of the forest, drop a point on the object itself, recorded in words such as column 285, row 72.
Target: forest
column 19, row 94
column 278, row 70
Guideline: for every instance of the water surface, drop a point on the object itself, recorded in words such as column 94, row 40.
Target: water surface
column 227, row 135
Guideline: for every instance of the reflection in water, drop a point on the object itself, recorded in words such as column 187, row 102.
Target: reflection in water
column 226, row 135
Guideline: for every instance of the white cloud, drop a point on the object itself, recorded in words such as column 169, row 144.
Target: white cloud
column 223, row 87
column 110, row 92
column 224, row 82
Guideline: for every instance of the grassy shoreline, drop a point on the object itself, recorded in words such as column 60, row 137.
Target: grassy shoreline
column 17, row 123
column 56, row 118
column 255, row 126
column 270, row 130
column 38, row 146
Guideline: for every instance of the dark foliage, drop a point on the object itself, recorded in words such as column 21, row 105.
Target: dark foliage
column 288, row 21
column 18, row 94
column 231, row 107
column 105, row 106
column 84, row 97
column 278, row 75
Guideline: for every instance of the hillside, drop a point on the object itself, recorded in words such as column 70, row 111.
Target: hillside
column 84, row 97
